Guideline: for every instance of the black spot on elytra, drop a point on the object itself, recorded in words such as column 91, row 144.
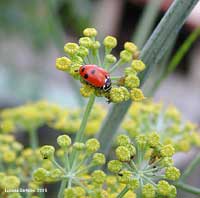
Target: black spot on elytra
column 83, row 69
column 86, row 76
column 93, row 71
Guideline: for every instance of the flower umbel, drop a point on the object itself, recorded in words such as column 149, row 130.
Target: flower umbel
column 140, row 165
column 86, row 52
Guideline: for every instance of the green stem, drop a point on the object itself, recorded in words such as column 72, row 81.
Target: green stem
column 191, row 167
column 117, row 64
column 58, row 165
column 188, row 188
column 33, row 138
column 123, row 192
column 62, row 188
column 79, row 135
column 151, row 54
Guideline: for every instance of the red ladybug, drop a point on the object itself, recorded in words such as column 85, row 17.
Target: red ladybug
column 96, row 76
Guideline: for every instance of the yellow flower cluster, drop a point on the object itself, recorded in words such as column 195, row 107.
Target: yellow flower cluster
column 86, row 52
column 147, row 117
column 139, row 165
column 34, row 115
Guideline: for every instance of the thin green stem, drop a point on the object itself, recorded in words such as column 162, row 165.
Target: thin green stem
column 117, row 64
column 79, row 135
column 132, row 163
column 62, row 188
column 66, row 161
column 188, row 188
column 123, row 192
column 149, row 180
column 33, row 138
column 58, row 165
column 195, row 162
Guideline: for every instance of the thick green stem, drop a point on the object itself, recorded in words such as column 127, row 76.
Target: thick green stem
column 195, row 162
column 188, row 188
column 33, row 138
column 151, row 54
column 146, row 22
column 123, row 192
column 62, row 188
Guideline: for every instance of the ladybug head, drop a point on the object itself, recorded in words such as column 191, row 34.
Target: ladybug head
column 107, row 85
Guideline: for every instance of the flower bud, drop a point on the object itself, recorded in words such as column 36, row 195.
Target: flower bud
column 109, row 58
column 92, row 145
column 167, row 151
column 69, row 193
column 124, row 176
column 131, row 47
column 77, row 60
column 90, row 32
column 117, row 95
column 148, row 191
column 136, row 94
column 141, row 140
column 123, row 154
column 114, row 166
column 98, row 159
column 131, row 149
column 85, row 42
column 125, row 56
column 40, row 175
column 133, row 184
column 110, row 42
column 64, row 141
column 125, row 92
column 138, row 65
column 47, row 152
column 98, row 176
column 122, row 140
column 163, row 188
column 172, row 173
column 83, row 52
column 87, row 90
column 63, row 63
column 55, row 174
column 166, row 162
column 153, row 139
column 129, row 71
column 95, row 45
column 10, row 182
column 9, row 156
column 71, row 48
column 79, row 191
column 173, row 192
column 132, row 81
column 79, row 146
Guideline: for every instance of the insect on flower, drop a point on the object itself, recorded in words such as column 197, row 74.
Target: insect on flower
column 96, row 76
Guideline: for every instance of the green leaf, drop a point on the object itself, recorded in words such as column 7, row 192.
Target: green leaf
column 151, row 54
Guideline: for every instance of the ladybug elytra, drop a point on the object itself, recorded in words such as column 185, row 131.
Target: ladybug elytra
column 96, row 76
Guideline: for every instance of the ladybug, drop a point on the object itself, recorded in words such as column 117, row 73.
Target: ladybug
column 96, row 76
